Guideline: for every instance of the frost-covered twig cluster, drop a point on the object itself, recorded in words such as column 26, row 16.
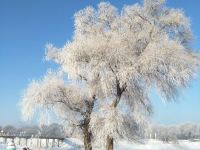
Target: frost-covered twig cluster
column 117, row 57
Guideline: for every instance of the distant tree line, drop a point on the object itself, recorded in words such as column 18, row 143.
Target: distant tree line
column 186, row 131
column 166, row 133
column 52, row 130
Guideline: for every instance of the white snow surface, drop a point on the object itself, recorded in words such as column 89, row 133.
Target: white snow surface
column 158, row 145
column 75, row 144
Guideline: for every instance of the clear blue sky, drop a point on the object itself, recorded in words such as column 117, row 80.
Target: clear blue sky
column 27, row 25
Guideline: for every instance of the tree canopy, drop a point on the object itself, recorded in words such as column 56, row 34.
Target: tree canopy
column 118, row 56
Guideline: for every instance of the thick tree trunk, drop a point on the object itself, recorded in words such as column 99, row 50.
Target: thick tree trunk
column 109, row 143
column 120, row 90
column 87, row 135
column 87, row 138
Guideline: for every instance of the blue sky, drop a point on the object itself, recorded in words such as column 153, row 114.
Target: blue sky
column 27, row 25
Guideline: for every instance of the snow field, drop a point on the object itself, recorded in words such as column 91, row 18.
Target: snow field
column 75, row 144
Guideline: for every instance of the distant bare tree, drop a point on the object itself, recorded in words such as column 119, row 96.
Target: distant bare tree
column 55, row 130
column 186, row 131
column 10, row 130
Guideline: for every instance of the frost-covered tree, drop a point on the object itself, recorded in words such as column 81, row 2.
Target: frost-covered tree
column 72, row 104
column 9, row 130
column 186, row 131
column 144, row 46
column 120, row 56
column 29, row 130
column 55, row 130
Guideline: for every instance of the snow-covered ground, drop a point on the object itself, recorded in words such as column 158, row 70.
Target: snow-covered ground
column 74, row 144
column 158, row 145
